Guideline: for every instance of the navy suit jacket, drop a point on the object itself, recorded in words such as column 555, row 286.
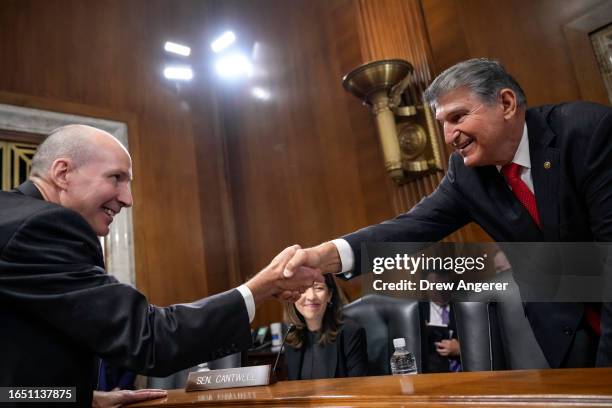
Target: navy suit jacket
column 574, row 199
column 62, row 309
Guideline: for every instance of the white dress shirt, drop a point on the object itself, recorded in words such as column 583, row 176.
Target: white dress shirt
column 248, row 301
column 435, row 314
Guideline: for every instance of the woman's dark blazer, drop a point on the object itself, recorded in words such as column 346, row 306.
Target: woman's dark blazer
column 347, row 356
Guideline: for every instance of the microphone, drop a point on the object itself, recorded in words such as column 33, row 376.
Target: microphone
column 291, row 327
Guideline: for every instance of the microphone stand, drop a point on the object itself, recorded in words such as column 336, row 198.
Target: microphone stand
column 273, row 372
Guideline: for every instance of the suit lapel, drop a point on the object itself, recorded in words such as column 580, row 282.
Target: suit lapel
column 546, row 174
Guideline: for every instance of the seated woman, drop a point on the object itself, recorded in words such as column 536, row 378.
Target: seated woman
column 323, row 344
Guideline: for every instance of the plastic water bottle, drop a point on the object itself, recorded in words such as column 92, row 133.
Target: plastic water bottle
column 402, row 361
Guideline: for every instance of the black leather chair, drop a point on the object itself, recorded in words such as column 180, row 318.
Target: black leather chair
column 385, row 318
column 479, row 336
column 495, row 334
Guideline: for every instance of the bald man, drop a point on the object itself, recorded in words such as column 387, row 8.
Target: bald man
column 58, row 307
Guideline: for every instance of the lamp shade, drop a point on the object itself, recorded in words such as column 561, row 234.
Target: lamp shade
column 376, row 76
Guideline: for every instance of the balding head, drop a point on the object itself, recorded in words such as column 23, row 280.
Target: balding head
column 74, row 142
column 84, row 169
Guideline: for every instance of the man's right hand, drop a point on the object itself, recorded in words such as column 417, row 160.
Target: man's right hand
column 271, row 282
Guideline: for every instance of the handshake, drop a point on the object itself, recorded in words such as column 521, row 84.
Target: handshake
column 293, row 271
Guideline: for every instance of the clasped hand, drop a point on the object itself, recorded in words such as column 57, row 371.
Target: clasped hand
column 273, row 282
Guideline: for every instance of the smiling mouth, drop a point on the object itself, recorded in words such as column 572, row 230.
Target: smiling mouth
column 461, row 146
column 110, row 212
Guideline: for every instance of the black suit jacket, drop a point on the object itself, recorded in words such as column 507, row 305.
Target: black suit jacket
column 59, row 309
column 574, row 199
column 346, row 357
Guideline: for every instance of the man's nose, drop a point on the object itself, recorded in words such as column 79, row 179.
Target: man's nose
column 449, row 133
column 125, row 196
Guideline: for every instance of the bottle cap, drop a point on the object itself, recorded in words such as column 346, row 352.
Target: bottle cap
column 400, row 342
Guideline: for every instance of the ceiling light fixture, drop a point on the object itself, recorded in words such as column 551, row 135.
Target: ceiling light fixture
column 175, row 48
column 223, row 41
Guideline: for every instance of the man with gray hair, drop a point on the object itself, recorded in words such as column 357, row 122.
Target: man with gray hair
column 524, row 175
column 58, row 307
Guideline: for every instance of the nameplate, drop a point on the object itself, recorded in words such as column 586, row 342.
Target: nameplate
column 229, row 378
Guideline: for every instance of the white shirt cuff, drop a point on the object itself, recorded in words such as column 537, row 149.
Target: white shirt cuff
column 347, row 257
column 248, row 301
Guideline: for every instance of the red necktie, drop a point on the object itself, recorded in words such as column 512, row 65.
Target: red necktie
column 511, row 172
column 521, row 191
column 593, row 317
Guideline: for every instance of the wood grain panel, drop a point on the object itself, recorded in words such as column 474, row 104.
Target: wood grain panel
column 526, row 36
column 517, row 388
column 396, row 29
column 299, row 165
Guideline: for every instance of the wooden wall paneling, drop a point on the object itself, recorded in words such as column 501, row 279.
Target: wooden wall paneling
column 174, row 238
column 396, row 29
column 297, row 162
column 445, row 33
column 527, row 37
column 588, row 75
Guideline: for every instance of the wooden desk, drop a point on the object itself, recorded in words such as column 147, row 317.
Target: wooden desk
column 564, row 387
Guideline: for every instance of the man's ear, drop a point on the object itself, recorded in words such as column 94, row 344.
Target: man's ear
column 60, row 169
column 509, row 102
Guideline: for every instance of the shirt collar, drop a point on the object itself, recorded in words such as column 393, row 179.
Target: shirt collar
column 521, row 156
column 437, row 307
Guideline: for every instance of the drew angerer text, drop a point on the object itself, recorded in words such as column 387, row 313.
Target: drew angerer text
column 424, row 284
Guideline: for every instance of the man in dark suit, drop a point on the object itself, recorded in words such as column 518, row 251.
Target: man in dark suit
column 524, row 175
column 58, row 307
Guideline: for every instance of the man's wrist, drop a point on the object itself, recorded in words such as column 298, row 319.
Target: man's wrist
column 249, row 300
column 257, row 289
column 330, row 258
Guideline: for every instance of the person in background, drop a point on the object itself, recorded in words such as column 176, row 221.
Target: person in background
column 323, row 344
column 443, row 345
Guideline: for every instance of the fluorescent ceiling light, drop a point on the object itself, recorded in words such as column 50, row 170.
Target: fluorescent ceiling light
column 235, row 65
column 223, row 41
column 177, row 48
column 178, row 73
column 260, row 93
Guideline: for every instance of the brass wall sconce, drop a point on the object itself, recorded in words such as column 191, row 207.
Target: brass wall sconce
column 409, row 150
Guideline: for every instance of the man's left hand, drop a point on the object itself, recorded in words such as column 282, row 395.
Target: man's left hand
column 119, row 398
column 448, row 348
